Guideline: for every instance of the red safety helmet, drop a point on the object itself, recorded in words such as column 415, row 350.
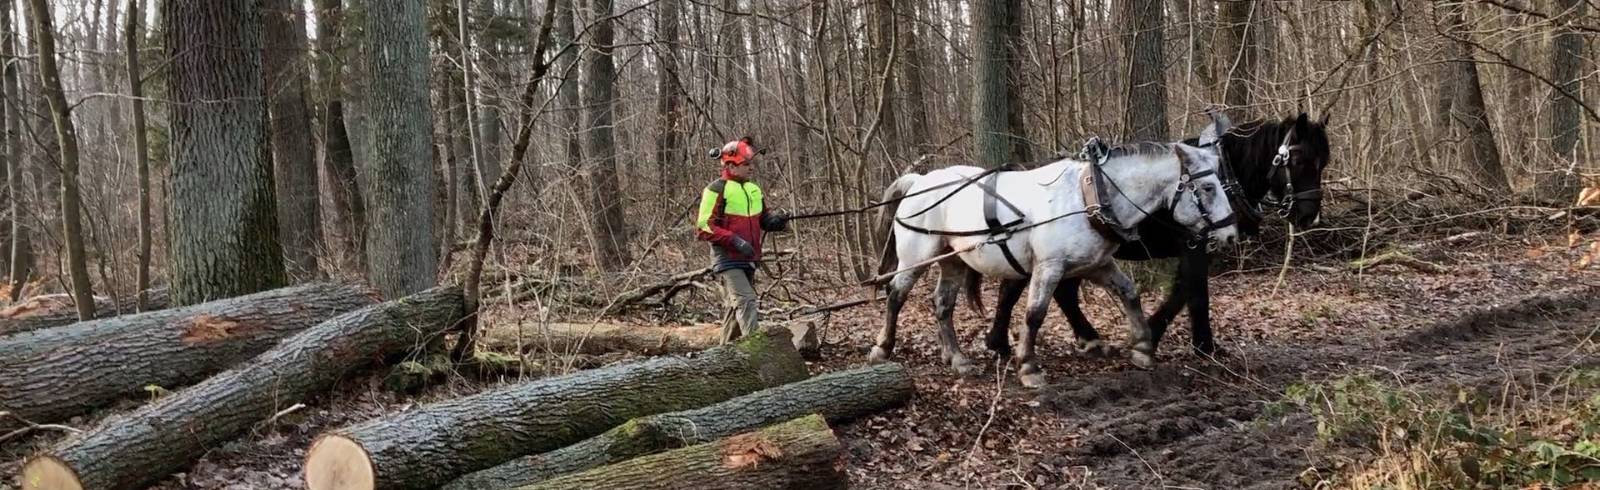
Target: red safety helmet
column 736, row 152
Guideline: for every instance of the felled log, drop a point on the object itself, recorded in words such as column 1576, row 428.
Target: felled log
column 138, row 448
column 837, row 396
column 432, row 445
column 799, row 454
column 600, row 338
column 53, row 374
column 55, row 310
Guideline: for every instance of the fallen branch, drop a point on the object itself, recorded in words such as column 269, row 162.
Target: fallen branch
column 1398, row 258
column 812, row 310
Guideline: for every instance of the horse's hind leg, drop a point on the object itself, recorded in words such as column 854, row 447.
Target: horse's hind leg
column 1140, row 344
column 999, row 338
column 898, row 288
column 1067, row 299
column 1045, row 278
column 952, row 274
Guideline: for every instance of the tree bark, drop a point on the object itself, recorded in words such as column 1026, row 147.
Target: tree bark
column 568, row 103
column 883, row 34
column 20, row 248
column 141, row 150
column 920, row 136
column 837, row 396
column 799, row 454
column 601, row 338
column 1481, row 154
column 221, row 219
column 608, row 228
column 295, row 166
column 1147, row 86
column 402, row 255
column 67, row 139
column 431, row 445
column 991, row 98
column 37, row 314
column 138, row 448
column 1560, row 183
column 1236, row 50
column 337, row 156
column 54, row 374
column 670, row 98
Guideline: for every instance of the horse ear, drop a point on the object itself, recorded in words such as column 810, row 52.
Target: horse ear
column 1219, row 126
column 1303, row 121
column 1323, row 121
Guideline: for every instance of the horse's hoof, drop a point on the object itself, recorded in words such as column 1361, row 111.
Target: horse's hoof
column 1142, row 359
column 1032, row 378
column 878, row 356
column 964, row 367
column 1093, row 348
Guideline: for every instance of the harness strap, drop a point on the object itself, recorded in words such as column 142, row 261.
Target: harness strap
column 1095, row 203
column 1003, row 228
column 991, row 217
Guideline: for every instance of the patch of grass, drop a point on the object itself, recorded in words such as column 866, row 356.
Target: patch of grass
column 1464, row 439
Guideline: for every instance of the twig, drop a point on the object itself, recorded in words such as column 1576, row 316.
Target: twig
column 1288, row 253
column 30, row 427
column 1002, row 368
column 808, row 310
column 1136, row 454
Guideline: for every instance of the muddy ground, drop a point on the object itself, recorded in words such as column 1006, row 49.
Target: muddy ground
column 1507, row 307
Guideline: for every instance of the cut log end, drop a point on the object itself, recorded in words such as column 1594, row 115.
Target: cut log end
column 337, row 462
column 49, row 473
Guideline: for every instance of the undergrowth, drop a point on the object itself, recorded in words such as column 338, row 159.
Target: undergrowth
column 1538, row 435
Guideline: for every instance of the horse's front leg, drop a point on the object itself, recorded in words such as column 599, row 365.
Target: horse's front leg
column 999, row 338
column 1197, row 268
column 1067, row 298
column 1045, row 278
column 1140, row 344
column 899, row 287
column 952, row 274
column 1177, row 295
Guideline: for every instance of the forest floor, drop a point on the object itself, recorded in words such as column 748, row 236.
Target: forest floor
column 1503, row 308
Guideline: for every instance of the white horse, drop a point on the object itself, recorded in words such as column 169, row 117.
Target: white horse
column 1056, row 239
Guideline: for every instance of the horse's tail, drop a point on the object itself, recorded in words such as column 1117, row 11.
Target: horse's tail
column 895, row 191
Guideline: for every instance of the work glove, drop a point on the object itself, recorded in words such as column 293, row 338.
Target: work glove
column 776, row 221
column 743, row 247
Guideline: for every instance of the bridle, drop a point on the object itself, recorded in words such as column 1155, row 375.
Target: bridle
column 1283, row 197
column 1187, row 184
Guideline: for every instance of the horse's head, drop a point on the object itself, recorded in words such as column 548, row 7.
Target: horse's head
column 1296, row 180
column 1198, row 202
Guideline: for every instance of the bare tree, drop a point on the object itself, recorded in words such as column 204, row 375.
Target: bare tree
column 141, row 148
column 670, row 95
column 1147, row 86
column 1566, row 60
column 20, row 247
column 1237, row 51
column 221, row 218
column 608, row 229
column 67, row 138
column 338, row 157
column 295, row 167
column 1481, row 154
column 402, row 256
column 993, row 99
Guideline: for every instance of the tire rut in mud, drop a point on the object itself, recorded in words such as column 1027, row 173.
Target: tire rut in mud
column 1194, row 422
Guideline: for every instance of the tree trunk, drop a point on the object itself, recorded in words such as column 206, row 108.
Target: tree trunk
column 54, row 374
column 799, row 454
column 601, row 338
column 837, row 396
column 20, row 248
column 221, row 218
column 141, row 149
column 37, row 314
column 1480, row 153
column 141, row 447
column 295, row 166
column 1236, row 50
column 431, row 445
column 1147, row 86
column 670, row 154
column 883, row 34
column 991, row 87
column 67, row 139
column 608, row 229
column 567, row 100
column 402, row 255
column 1021, row 145
column 1560, row 183
column 920, row 137
column 337, row 157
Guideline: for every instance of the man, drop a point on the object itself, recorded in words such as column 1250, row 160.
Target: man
column 733, row 217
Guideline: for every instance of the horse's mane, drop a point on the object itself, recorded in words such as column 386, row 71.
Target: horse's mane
column 1142, row 149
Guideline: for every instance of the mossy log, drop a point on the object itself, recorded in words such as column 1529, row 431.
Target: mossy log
column 138, row 448
column 55, row 310
column 432, row 445
column 799, row 454
column 600, row 338
column 837, row 396
column 54, row 374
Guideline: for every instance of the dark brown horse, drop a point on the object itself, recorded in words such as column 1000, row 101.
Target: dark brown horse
column 1278, row 168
